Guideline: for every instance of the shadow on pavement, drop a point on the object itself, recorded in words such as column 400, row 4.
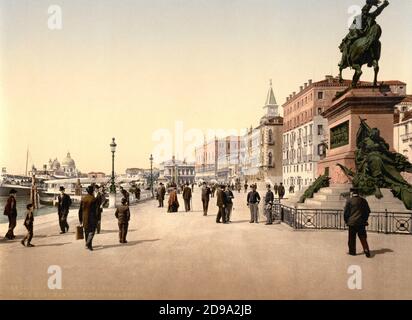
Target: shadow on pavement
column 118, row 245
column 52, row 244
column 380, row 251
column 240, row 221
column 114, row 231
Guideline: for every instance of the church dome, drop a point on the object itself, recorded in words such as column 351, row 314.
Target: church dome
column 55, row 164
column 68, row 161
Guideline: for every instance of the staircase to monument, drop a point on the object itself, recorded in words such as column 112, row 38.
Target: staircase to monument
column 333, row 198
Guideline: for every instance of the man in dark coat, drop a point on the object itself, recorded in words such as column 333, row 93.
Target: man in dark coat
column 276, row 189
column 10, row 211
column 356, row 215
column 125, row 195
column 161, row 193
column 100, row 200
column 229, row 203
column 187, row 196
column 123, row 216
column 88, row 216
column 206, row 192
column 269, row 198
column 221, row 203
column 281, row 191
column 253, row 200
column 63, row 205
column 137, row 193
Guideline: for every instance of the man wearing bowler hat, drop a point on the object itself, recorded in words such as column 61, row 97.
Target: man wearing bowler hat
column 10, row 211
column 88, row 216
column 356, row 215
column 63, row 205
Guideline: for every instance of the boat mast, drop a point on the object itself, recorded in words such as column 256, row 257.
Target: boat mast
column 27, row 159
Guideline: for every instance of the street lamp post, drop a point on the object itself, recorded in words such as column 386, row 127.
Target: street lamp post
column 112, row 195
column 151, row 174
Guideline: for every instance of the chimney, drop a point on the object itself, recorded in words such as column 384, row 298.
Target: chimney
column 287, row 99
column 329, row 78
column 310, row 81
column 294, row 93
column 301, row 88
column 306, row 85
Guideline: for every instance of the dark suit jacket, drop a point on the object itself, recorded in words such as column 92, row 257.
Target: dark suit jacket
column 123, row 214
column 356, row 212
column 221, row 198
column 64, row 203
column 88, row 212
column 187, row 193
column 10, row 208
column 206, row 193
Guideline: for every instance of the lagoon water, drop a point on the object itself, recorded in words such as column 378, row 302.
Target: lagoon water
column 21, row 208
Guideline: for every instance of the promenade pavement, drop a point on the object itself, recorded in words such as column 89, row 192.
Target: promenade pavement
column 189, row 256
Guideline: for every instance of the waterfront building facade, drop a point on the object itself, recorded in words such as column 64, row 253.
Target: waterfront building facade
column 305, row 137
column 261, row 150
column 402, row 131
column 177, row 171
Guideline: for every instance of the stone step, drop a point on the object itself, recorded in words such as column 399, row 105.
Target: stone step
column 327, row 197
column 334, row 191
column 324, row 204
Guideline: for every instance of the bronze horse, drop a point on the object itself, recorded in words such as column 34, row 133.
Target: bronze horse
column 366, row 49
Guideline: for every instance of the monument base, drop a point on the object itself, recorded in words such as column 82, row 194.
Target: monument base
column 374, row 104
column 333, row 198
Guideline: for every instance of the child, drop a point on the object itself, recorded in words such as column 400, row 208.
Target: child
column 123, row 216
column 28, row 223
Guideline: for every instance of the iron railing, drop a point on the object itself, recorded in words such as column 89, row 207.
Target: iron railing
column 325, row 219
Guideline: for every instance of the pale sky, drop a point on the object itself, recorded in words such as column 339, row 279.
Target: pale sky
column 127, row 68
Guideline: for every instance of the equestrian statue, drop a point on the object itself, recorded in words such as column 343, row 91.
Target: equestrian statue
column 362, row 45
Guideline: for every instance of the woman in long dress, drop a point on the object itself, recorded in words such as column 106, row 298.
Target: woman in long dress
column 173, row 205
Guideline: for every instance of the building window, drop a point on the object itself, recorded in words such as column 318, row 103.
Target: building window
column 270, row 136
column 320, row 95
column 270, row 159
column 319, row 111
column 320, row 129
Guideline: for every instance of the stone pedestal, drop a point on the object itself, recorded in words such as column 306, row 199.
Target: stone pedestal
column 376, row 105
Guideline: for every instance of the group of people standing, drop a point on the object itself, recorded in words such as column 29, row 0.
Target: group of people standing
column 89, row 215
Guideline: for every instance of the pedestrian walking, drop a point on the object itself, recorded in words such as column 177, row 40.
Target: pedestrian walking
column 63, row 204
column 187, row 196
column 246, row 186
column 276, row 189
column 125, row 195
column 253, row 200
column 269, row 198
column 173, row 204
column 281, row 191
column 206, row 192
column 160, row 194
column 229, row 203
column 100, row 200
column 10, row 210
column 221, row 204
column 28, row 223
column 137, row 193
column 356, row 215
column 123, row 217
column 88, row 216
